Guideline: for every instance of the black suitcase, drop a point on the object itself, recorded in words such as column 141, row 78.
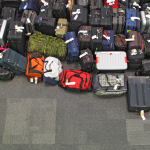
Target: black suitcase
column 45, row 25
column 123, row 4
column 94, row 18
column 86, row 60
column 106, row 17
column 145, row 6
column 96, row 39
column 46, row 12
column 96, row 4
column 82, row 3
column 11, row 3
column 138, row 95
column 16, row 38
column 78, row 19
column 146, row 38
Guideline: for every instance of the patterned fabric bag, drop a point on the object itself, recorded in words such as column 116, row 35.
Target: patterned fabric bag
column 109, row 84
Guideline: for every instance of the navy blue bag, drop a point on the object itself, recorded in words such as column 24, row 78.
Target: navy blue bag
column 132, row 24
column 30, row 5
column 108, row 43
column 73, row 47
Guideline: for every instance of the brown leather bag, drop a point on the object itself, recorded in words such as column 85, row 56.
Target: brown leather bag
column 120, row 42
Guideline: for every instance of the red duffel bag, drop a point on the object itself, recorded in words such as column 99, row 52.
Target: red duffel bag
column 112, row 3
column 75, row 80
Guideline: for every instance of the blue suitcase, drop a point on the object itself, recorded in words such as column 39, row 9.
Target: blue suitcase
column 30, row 5
column 132, row 24
column 108, row 44
column 73, row 47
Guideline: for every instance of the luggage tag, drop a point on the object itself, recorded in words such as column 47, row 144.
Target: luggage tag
column 69, row 83
column 133, row 18
column 76, row 14
column 25, row 7
column 94, row 37
column 45, row 3
column 147, row 16
column 1, row 55
column 82, row 31
column 42, row 10
column 57, row 28
column 148, row 8
column 72, row 39
column 108, row 38
column 116, row 86
column 131, row 39
column 133, row 52
column 19, row 28
column 36, row 80
column 82, row 55
column 31, row 80
column 148, row 41
column 28, row 20
column 135, row 4
column 142, row 115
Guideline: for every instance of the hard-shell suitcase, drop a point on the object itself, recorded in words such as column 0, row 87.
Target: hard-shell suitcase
column 82, row 3
column 111, row 61
column 112, row 3
column 86, row 60
column 96, row 39
column 62, row 28
column 46, row 12
column 84, row 37
column 106, row 17
column 145, row 6
column 123, row 4
column 132, row 21
column 78, row 18
column 13, row 61
column 118, row 20
column 146, row 40
column 94, row 18
column 16, row 37
column 96, row 4
column 138, row 96
column 45, row 25
column 11, row 3
column 145, row 22
column 28, row 18
column 108, row 44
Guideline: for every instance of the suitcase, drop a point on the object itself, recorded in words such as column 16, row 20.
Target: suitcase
column 118, row 20
column 111, row 61
column 106, row 17
column 120, row 42
column 28, row 18
column 145, row 22
column 84, row 37
column 138, row 97
column 18, row 15
column 146, row 40
column 62, row 28
column 134, row 5
column 132, row 21
column 16, row 37
column 30, row 5
column 46, row 12
column 3, row 32
column 86, row 60
column 78, row 18
column 112, row 3
column 94, row 18
column 108, row 44
column 73, row 47
column 45, row 25
column 13, row 61
column 82, row 3
column 123, row 4
column 11, row 3
column 96, row 4
column 145, row 6
column 144, row 2
column 96, row 39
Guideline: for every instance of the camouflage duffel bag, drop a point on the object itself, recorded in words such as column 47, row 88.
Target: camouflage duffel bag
column 47, row 45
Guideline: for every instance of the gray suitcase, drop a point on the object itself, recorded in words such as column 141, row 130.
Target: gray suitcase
column 28, row 18
column 118, row 20
column 145, row 22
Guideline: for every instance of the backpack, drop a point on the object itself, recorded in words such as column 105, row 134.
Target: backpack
column 51, row 70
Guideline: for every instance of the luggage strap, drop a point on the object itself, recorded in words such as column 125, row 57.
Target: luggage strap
column 3, row 48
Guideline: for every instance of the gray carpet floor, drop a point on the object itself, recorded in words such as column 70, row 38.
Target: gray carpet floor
column 45, row 117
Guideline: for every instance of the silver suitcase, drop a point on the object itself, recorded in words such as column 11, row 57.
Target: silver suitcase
column 3, row 32
column 145, row 22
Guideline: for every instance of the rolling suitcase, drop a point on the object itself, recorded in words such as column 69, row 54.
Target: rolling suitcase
column 84, row 37
column 145, row 6
column 146, row 40
column 46, row 12
column 11, row 3
column 106, row 17
column 123, row 4
column 112, row 3
column 6, row 74
column 82, row 3
column 96, row 4
column 138, row 97
column 111, row 61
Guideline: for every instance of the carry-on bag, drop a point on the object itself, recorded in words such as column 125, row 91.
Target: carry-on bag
column 145, row 6
column 112, row 3
column 73, row 47
column 75, row 80
column 13, row 61
column 51, row 70
column 109, row 85
column 96, row 4
column 86, row 60
column 123, row 3
column 83, row 3
column 138, row 97
column 146, row 40
column 11, row 3
column 34, row 69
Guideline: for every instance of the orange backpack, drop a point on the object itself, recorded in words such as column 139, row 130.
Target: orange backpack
column 34, row 69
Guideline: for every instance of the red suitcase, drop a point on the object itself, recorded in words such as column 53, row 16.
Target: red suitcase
column 112, row 3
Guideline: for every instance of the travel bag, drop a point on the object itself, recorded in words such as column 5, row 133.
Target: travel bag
column 86, row 60
column 28, row 18
column 34, row 69
column 75, row 80
column 145, row 6
column 52, row 68
column 123, row 4
column 84, row 37
column 108, row 42
column 78, row 18
column 146, row 40
column 62, row 28
column 112, row 3
column 11, row 3
column 120, row 42
column 96, row 4
column 46, row 12
column 16, row 37
column 73, row 47
column 45, row 25
column 118, row 20
column 83, row 3
column 109, row 85
column 132, row 21
column 13, row 61
column 106, row 18
column 138, row 97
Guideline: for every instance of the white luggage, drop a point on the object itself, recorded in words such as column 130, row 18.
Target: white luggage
column 111, row 61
